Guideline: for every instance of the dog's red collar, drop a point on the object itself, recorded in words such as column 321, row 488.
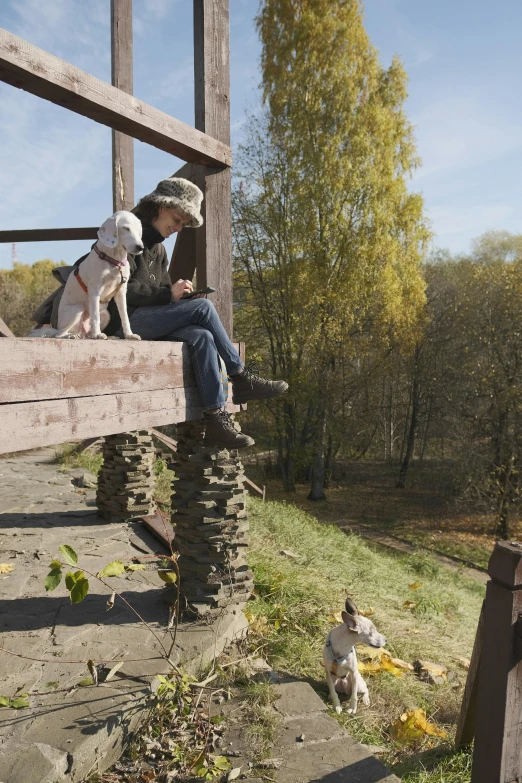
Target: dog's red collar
column 105, row 257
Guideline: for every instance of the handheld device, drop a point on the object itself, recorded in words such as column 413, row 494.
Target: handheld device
column 207, row 290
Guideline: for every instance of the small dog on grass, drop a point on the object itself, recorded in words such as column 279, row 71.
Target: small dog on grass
column 340, row 659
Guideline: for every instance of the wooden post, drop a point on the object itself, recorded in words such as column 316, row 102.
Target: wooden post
column 183, row 260
column 121, row 75
column 212, row 115
column 497, row 756
column 466, row 726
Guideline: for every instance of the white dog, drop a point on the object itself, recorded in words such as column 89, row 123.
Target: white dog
column 340, row 659
column 102, row 276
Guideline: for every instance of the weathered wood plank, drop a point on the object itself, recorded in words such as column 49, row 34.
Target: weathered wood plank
column 40, row 369
column 44, row 369
column 122, row 78
column 466, row 725
column 48, row 234
column 212, row 115
column 27, row 425
column 5, row 330
column 29, row 68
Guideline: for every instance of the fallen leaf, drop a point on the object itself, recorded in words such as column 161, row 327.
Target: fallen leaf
column 367, row 612
column 110, row 602
column 464, row 662
column 415, row 585
column 384, row 664
column 335, row 617
column 410, row 604
column 433, row 668
column 367, row 653
column 6, row 568
column 288, row 553
column 234, row 773
column 412, row 726
column 300, row 738
column 113, row 671
column 402, row 664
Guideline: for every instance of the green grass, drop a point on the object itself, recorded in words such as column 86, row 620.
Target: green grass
column 67, row 457
column 290, row 615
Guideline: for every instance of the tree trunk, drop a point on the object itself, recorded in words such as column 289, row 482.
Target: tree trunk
column 410, row 443
column 319, row 461
column 287, row 447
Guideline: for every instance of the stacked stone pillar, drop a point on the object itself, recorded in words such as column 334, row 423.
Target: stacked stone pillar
column 126, row 480
column 210, row 524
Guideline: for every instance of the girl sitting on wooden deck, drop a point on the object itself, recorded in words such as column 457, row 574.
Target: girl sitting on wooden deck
column 157, row 311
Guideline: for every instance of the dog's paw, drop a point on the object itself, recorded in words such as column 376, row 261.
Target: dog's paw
column 99, row 336
column 338, row 710
column 69, row 337
column 366, row 700
column 132, row 337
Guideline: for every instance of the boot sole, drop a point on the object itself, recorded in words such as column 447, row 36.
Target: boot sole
column 242, row 400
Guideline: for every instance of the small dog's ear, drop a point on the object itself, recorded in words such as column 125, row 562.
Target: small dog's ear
column 108, row 232
column 350, row 606
column 350, row 621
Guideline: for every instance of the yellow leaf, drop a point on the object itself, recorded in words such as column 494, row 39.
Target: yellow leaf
column 382, row 664
column 410, row 604
column 412, row 726
column 6, row 568
column 335, row 617
column 415, row 585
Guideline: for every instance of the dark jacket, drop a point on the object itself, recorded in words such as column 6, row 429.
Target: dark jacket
column 149, row 283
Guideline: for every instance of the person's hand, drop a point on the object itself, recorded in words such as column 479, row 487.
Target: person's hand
column 179, row 288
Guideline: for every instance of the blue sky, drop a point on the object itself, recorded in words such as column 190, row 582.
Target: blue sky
column 464, row 62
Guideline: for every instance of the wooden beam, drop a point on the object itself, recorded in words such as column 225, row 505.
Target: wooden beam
column 122, row 78
column 212, row 105
column 48, row 234
column 40, row 73
column 44, row 369
column 28, row 425
column 183, row 260
column 5, row 330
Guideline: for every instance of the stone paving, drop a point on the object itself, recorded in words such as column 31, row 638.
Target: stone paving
column 309, row 744
column 67, row 730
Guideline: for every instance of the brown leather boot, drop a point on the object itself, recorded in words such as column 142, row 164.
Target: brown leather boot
column 250, row 386
column 220, row 430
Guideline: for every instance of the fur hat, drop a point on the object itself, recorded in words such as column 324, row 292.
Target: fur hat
column 179, row 193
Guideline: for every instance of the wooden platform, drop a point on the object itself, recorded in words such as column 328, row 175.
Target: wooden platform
column 52, row 391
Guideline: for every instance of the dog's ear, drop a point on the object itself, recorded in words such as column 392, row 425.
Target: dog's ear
column 108, row 232
column 350, row 621
column 350, row 606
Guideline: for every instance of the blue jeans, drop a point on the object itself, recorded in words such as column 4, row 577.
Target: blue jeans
column 195, row 322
